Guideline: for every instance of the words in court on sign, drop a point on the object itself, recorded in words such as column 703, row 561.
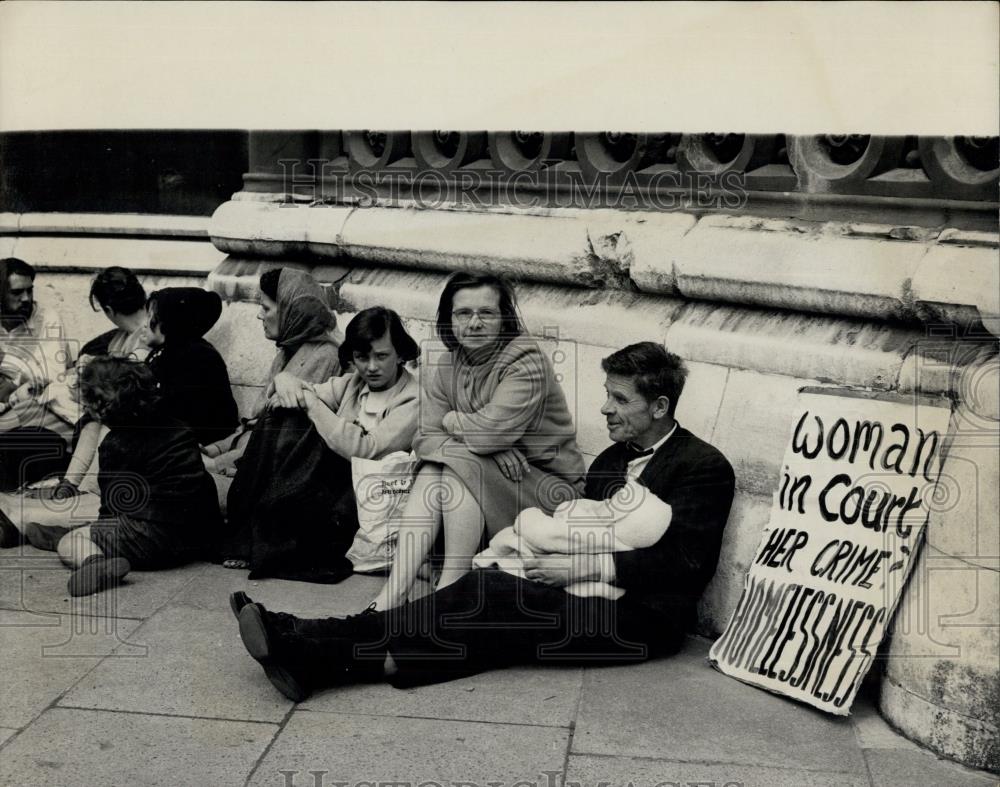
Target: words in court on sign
column 845, row 526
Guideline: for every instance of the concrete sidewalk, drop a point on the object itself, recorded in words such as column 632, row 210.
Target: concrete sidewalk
column 150, row 685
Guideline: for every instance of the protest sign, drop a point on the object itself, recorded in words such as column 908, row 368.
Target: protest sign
column 845, row 526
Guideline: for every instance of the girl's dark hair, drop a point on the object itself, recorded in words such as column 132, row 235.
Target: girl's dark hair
column 269, row 283
column 118, row 289
column 371, row 325
column 510, row 326
column 118, row 389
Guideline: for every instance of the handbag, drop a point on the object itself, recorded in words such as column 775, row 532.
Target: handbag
column 381, row 488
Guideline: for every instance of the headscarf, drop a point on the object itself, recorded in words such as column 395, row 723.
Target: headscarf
column 306, row 344
column 303, row 311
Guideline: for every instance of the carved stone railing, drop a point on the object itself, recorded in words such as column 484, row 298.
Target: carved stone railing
column 921, row 181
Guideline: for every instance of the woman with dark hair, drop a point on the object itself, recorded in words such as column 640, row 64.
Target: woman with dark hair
column 296, row 316
column 118, row 293
column 158, row 506
column 193, row 378
column 495, row 434
column 296, row 517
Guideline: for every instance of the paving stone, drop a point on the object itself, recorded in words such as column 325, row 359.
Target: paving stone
column 79, row 748
column 379, row 749
column 5, row 734
column 621, row 771
column 922, row 769
column 874, row 732
column 195, row 665
column 34, row 580
column 681, row 709
column 546, row 697
column 44, row 655
column 210, row 591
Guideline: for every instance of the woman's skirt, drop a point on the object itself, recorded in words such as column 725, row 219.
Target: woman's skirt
column 499, row 498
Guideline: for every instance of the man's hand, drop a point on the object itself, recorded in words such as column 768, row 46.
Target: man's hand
column 561, row 570
column 288, row 391
column 512, row 464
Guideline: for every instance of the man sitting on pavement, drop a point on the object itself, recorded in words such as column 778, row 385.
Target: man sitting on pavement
column 491, row 619
column 37, row 407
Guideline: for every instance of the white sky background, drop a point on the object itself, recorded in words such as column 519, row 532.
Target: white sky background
column 893, row 67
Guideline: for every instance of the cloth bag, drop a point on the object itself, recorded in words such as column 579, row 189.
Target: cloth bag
column 381, row 488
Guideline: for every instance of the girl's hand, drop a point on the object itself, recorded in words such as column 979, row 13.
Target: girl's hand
column 64, row 490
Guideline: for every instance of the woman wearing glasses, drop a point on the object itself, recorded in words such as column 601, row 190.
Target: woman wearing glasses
column 494, row 433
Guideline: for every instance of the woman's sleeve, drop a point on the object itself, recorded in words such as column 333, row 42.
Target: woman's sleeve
column 395, row 432
column 514, row 408
column 433, row 406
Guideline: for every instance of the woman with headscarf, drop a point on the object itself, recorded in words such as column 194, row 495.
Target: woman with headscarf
column 295, row 315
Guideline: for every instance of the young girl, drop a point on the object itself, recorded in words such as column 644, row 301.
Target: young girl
column 158, row 503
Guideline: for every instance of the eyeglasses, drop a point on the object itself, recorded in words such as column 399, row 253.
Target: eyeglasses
column 484, row 315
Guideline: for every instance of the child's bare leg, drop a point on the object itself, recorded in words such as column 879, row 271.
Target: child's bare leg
column 75, row 547
column 93, row 571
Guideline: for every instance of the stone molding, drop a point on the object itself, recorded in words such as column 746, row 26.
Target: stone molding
column 867, row 271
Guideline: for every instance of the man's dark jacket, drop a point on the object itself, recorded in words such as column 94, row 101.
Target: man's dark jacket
column 697, row 481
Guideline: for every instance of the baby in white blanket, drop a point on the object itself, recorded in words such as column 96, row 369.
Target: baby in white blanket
column 633, row 518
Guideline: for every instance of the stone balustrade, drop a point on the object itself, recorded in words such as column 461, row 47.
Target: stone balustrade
column 918, row 181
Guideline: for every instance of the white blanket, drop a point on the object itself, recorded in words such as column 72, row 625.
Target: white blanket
column 634, row 518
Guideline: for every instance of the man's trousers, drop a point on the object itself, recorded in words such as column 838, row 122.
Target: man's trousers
column 490, row 619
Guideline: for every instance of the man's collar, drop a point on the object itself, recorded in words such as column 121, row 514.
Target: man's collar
column 659, row 443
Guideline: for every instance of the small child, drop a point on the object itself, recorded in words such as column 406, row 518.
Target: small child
column 158, row 504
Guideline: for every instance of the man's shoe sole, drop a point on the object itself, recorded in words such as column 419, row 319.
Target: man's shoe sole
column 253, row 632
column 237, row 601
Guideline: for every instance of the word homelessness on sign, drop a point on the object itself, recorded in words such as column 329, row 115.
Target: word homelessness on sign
column 845, row 524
